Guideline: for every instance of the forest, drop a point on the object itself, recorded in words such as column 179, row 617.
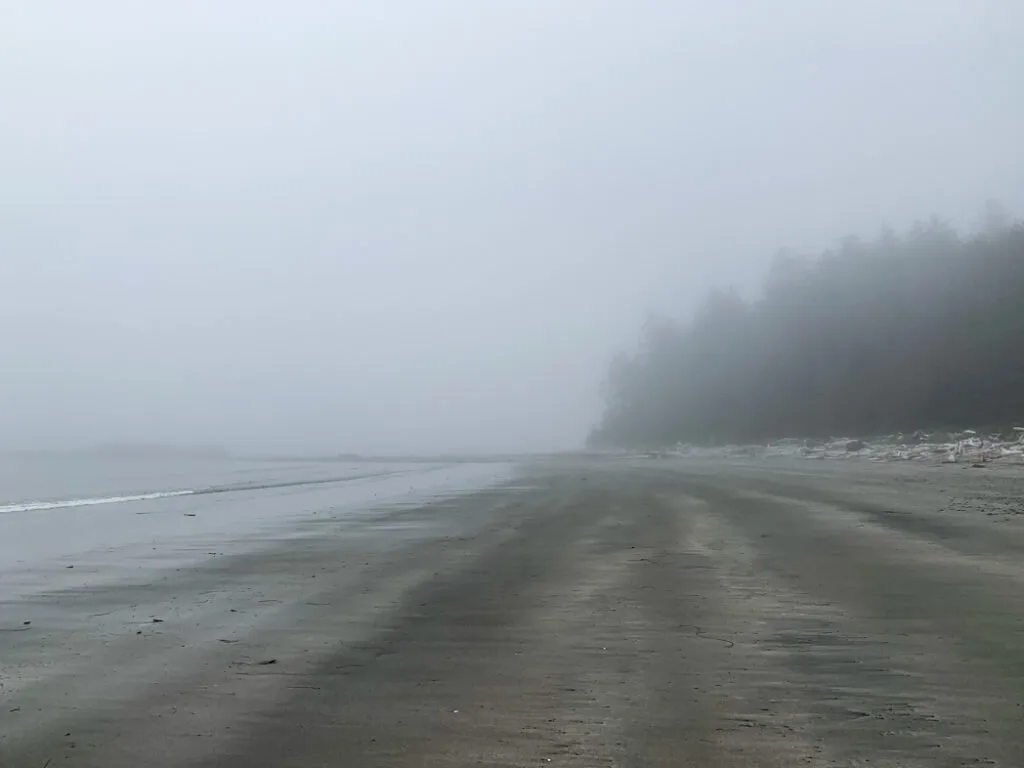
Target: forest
column 921, row 329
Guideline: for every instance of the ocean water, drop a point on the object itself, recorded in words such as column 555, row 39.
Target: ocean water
column 44, row 482
column 78, row 523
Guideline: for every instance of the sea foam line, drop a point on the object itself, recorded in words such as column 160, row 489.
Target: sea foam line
column 33, row 506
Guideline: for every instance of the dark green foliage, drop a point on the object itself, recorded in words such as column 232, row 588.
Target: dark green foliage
column 924, row 330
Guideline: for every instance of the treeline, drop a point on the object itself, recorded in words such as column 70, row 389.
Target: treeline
column 923, row 329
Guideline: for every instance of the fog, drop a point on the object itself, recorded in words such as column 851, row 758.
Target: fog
column 427, row 226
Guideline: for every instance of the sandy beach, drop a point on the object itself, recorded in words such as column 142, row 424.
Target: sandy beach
column 651, row 613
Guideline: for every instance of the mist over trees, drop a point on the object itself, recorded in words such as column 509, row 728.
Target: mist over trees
column 921, row 329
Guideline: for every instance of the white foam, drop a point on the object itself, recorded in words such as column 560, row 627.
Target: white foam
column 33, row 506
column 59, row 547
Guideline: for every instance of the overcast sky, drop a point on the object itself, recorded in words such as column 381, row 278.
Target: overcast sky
column 425, row 225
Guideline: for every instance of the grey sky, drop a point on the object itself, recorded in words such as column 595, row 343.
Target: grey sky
column 426, row 225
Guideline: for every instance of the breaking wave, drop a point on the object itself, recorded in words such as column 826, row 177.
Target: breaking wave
column 32, row 506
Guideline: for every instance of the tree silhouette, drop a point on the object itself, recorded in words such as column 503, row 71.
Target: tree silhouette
column 923, row 330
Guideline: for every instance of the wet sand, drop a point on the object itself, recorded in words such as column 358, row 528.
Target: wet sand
column 653, row 613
